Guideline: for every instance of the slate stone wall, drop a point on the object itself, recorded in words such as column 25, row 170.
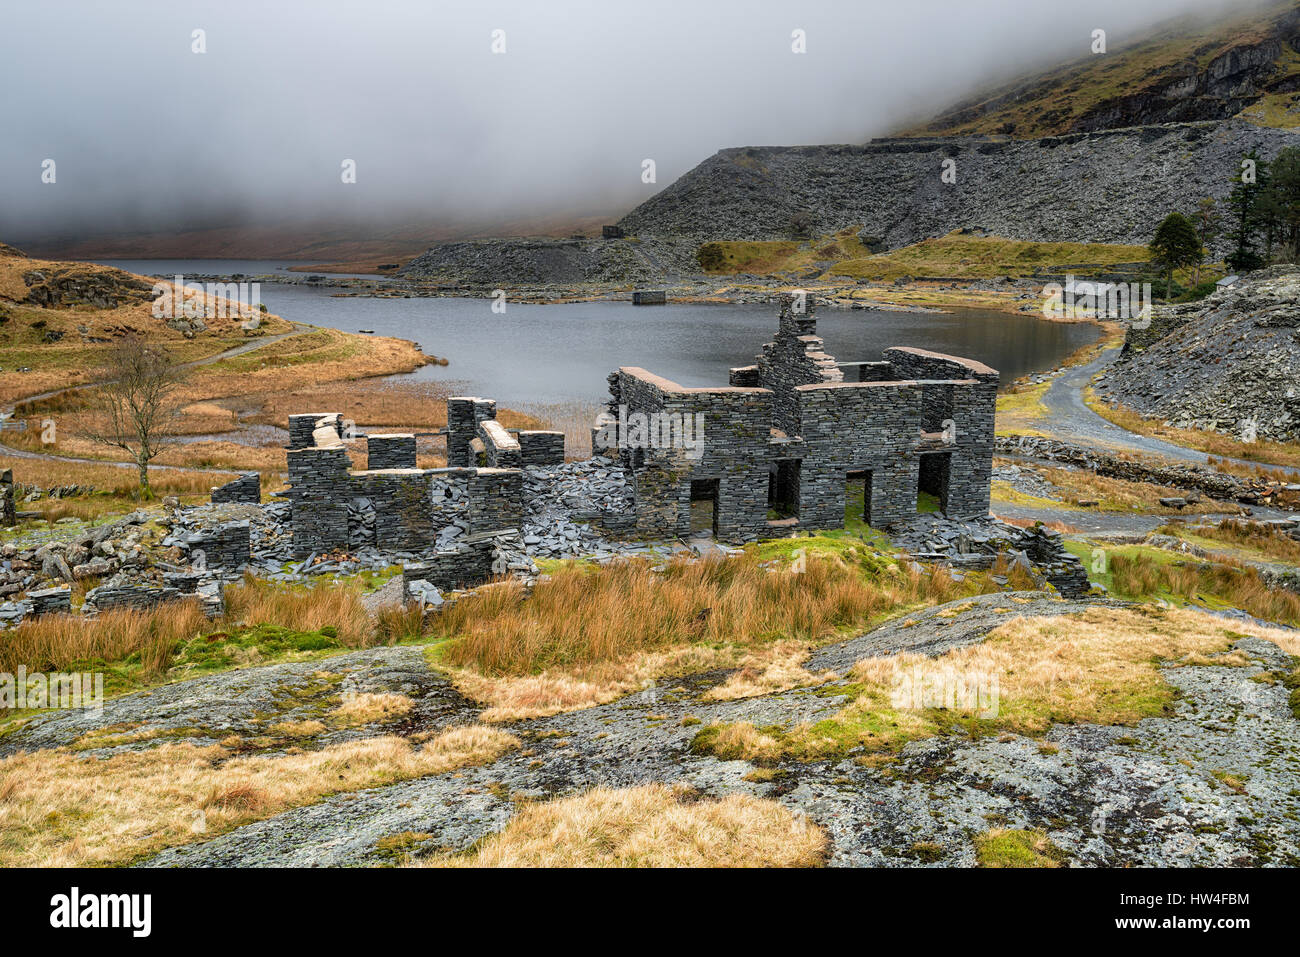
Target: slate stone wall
column 500, row 447
column 225, row 546
column 853, row 427
column 303, row 426
column 390, row 451
column 464, row 413
column 890, row 419
column 796, row 357
column 247, row 488
column 733, row 451
column 402, row 500
column 965, row 393
column 319, row 492
column 541, row 448
column 495, row 499
column 464, row 565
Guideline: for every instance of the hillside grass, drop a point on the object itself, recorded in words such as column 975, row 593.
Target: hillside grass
column 1148, row 574
column 963, row 256
column 264, row 623
column 773, row 257
column 590, row 634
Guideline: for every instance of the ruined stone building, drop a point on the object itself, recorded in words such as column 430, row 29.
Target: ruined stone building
column 786, row 440
column 773, row 453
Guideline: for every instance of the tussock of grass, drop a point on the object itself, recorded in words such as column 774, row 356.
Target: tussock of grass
column 367, row 707
column 60, row 809
column 554, row 690
column 650, row 826
column 60, row 642
column 1138, row 575
column 305, row 609
column 1003, row 848
column 590, row 635
column 768, row 670
column 1265, row 540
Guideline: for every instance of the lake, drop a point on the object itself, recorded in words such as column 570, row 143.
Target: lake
column 534, row 354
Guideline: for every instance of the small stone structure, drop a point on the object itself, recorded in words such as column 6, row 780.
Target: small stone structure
column 50, row 600
column 649, row 297
column 225, row 547
column 8, row 511
column 247, row 488
column 409, row 509
column 783, row 445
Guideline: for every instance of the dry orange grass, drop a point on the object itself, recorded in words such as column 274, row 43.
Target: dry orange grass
column 1255, row 536
column 1140, row 576
column 516, row 697
column 1113, row 493
column 116, row 481
column 60, row 809
column 589, row 636
column 769, row 670
column 1099, row 666
column 584, row 616
column 257, row 602
column 650, row 826
column 57, row 642
column 367, row 707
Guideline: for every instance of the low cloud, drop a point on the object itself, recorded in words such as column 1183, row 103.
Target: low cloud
column 147, row 134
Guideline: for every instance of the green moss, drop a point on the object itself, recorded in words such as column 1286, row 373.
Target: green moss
column 1023, row 848
column 396, row 849
column 927, row 852
column 965, row 256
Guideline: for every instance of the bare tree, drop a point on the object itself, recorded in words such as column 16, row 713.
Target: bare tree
column 137, row 405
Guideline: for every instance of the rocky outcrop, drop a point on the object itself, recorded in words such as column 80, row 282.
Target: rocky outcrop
column 1113, row 186
column 1229, row 363
column 501, row 263
column 1195, row 478
column 79, row 284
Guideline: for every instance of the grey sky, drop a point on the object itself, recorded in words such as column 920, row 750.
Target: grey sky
column 147, row 134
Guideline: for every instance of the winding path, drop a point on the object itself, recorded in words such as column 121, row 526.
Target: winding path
column 1071, row 420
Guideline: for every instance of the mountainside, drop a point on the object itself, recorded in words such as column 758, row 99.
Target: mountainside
column 488, row 263
column 1230, row 363
column 1112, row 186
column 1185, row 70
